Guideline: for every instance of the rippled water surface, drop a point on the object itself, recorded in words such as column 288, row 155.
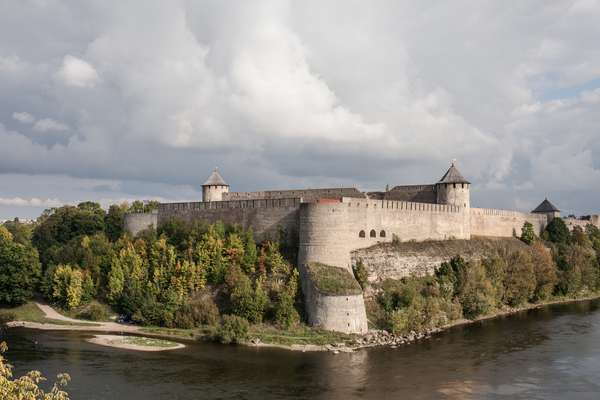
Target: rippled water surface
column 550, row 353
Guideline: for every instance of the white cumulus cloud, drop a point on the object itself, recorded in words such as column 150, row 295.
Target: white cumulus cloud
column 77, row 72
column 24, row 117
column 48, row 124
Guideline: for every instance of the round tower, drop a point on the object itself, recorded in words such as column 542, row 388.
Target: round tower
column 214, row 187
column 546, row 207
column 453, row 188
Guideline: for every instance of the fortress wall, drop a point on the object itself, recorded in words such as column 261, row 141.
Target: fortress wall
column 306, row 195
column 344, row 313
column 412, row 193
column 266, row 217
column 503, row 223
column 329, row 232
column 134, row 223
column 582, row 223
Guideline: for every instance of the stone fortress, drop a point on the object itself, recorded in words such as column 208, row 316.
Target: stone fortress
column 327, row 225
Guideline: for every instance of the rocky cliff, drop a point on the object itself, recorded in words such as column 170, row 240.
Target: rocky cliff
column 397, row 260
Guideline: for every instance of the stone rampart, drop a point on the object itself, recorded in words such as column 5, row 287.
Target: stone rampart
column 330, row 231
column 503, row 223
column 342, row 313
column 134, row 223
column 306, row 195
column 268, row 218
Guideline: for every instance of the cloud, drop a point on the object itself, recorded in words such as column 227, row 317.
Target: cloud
column 48, row 124
column 78, row 73
column 32, row 202
column 23, row 117
column 278, row 96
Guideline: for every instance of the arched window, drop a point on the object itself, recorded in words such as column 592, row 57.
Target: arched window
column 382, row 234
column 373, row 233
column 361, row 234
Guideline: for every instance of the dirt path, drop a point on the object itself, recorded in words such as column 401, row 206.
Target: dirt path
column 51, row 313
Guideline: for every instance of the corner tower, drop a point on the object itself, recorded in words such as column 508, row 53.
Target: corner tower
column 453, row 188
column 214, row 187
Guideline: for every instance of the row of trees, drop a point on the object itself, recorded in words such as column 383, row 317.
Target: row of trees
column 184, row 275
column 562, row 264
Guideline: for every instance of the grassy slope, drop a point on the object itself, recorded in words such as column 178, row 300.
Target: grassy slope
column 333, row 281
column 31, row 313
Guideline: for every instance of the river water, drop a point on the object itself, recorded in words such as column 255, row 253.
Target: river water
column 548, row 353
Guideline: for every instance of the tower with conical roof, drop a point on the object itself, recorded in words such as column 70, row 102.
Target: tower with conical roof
column 547, row 208
column 453, row 188
column 214, row 187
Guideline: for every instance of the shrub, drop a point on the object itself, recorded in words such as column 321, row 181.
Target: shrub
column 527, row 233
column 361, row 274
column 233, row 329
column 199, row 311
column 94, row 312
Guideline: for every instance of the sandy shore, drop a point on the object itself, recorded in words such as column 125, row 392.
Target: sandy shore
column 121, row 342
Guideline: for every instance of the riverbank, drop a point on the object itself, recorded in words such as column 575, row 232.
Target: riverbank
column 303, row 339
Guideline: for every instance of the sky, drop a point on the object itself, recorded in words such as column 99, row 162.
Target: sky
column 112, row 101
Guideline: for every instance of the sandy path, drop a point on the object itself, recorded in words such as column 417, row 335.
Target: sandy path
column 51, row 313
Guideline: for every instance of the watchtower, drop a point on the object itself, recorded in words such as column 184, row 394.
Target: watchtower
column 214, row 187
column 453, row 188
column 547, row 208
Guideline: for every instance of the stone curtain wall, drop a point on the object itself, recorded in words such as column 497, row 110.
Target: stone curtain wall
column 134, row 223
column 503, row 223
column 306, row 195
column 330, row 231
column 267, row 217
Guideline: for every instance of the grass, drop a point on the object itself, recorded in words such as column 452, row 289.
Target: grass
column 300, row 335
column 148, row 342
column 173, row 332
column 29, row 312
column 333, row 281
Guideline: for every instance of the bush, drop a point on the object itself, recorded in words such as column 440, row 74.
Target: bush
column 361, row 274
column 527, row 233
column 233, row 329
column 94, row 312
column 199, row 311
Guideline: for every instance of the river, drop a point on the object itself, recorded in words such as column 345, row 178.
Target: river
column 547, row 353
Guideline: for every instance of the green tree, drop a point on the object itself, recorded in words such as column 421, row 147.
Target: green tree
column 557, row 231
column 527, row 233
column 114, row 221
column 20, row 270
column 520, row 279
column 67, row 288
column 477, row 295
column 361, row 274
column 545, row 270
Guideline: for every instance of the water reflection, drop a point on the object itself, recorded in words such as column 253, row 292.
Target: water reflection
column 546, row 353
